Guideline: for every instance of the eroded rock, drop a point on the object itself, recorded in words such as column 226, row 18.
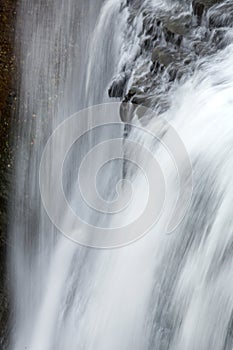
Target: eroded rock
column 178, row 25
column 221, row 15
column 170, row 42
column 117, row 86
column 162, row 55
column 207, row 3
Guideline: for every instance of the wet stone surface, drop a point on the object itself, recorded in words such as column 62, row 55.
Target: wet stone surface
column 170, row 43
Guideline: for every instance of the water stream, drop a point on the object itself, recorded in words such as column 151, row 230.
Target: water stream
column 163, row 291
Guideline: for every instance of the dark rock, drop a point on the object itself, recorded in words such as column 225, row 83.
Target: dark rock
column 117, row 86
column 179, row 40
column 147, row 43
column 164, row 56
column 208, row 3
column 148, row 25
column 172, row 73
column 133, row 91
column 134, row 3
column 221, row 15
column 7, row 105
column 199, row 47
column 218, row 38
column 174, row 39
column 178, row 25
column 187, row 60
column 198, row 10
column 184, row 72
column 126, row 111
column 160, row 55
column 169, row 36
column 143, row 100
column 150, row 30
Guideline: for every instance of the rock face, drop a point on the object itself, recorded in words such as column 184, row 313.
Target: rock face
column 170, row 42
column 221, row 15
column 7, row 106
column 117, row 86
column 198, row 10
column 206, row 3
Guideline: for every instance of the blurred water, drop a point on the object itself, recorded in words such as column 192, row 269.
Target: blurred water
column 162, row 292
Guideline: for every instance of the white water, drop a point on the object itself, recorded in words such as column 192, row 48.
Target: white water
column 162, row 292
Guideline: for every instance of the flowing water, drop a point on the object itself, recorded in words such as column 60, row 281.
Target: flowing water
column 163, row 291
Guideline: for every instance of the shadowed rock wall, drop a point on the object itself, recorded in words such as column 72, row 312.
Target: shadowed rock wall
column 7, row 107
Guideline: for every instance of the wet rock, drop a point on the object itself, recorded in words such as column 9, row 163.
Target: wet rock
column 172, row 74
column 218, row 38
column 178, row 25
column 162, row 55
column 7, row 106
column 221, row 15
column 141, row 69
column 165, row 56
column 135, row 4
column 202, row 48
column 208, row 3
column 201, row 6
column 168, row 35
column 150, row 30
column 126, row 111
column 198, row 10
column 184, row 73
column 179, row 40
column 117, row 86
column 133, row 91
column 143, row 100
column 173, row 40
column 147, row 42
column 188, row 60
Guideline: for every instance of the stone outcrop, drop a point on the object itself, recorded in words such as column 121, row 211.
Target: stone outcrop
column 171, row 42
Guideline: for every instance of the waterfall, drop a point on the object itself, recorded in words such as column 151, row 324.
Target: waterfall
column 162, row 291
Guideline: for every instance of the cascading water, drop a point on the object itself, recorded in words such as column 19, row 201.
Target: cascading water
column 163, row 291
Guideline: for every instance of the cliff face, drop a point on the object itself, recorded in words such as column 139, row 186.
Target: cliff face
column 168, row 46
column 7, row 107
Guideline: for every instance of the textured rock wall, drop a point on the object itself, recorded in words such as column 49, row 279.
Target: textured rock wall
column 7, row 107
column 170, row 45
